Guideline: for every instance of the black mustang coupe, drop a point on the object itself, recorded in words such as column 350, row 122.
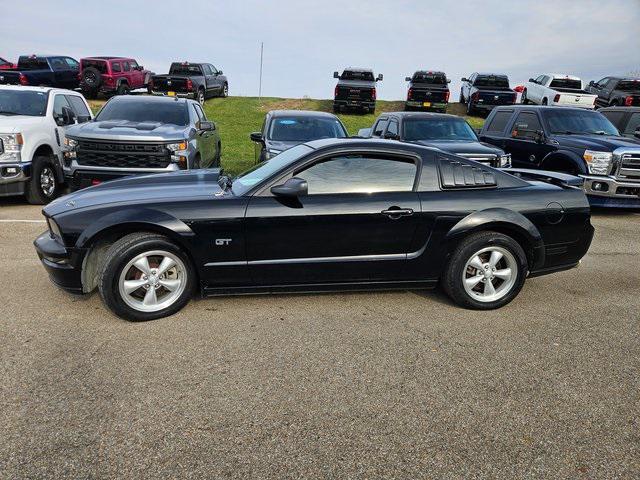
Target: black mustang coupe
column 331, row 214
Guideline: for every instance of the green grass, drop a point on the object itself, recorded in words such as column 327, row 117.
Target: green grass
column 237, row 117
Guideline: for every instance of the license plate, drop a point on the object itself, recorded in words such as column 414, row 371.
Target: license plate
column 171, row 94
column 426, row 104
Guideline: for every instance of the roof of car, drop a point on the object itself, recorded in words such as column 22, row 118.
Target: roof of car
column 561, row 75
column 106, row 58
column 490, row 74
column 429, row 72
column 620, row 109
column 540, row 107
column 149, row 99
column 358, row 69
column 405, row 115
column 39, row 89
column 300, row 113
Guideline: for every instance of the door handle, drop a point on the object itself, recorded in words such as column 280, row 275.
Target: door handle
column 395, row 213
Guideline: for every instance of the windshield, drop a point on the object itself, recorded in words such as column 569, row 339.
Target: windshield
column 579, row 122
column 303, row 129
column 491, row 81
column 566, row 83
column 180, row 69
column 245, row 181
column 171, row 111
column 23, row 102
column 432, row 78
column 629, row 85
column 351, row 75
column 438, row 129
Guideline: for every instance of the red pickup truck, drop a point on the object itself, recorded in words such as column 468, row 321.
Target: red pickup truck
column 6, row 64
column 111, row 76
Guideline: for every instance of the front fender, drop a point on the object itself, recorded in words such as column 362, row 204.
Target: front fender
column 572, row 157
column 504, row 221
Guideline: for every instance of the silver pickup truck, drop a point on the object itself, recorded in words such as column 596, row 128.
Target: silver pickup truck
column 139, row 135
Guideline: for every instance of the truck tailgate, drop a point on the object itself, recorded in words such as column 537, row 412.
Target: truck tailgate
column 170, row 83
column 575, row 99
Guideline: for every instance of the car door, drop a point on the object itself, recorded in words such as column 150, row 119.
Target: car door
column 534, row 90
column 210, row 79
column 60, row 72
column 215, row 79
column 205, row 138
column 597, row 89
column 522, row 144
column 136, row 77
column 607, row 91
column 356, row 223
column 379, row 127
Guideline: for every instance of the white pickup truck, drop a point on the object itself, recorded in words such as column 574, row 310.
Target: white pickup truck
column 557, row 90
column 32, row 125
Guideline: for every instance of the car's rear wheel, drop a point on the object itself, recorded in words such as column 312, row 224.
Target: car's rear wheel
column 146, row 276
column 92, row 78
column 123, row 89
column 225, row 90
column 43, row 185
column 487, row 271
column 201, row 97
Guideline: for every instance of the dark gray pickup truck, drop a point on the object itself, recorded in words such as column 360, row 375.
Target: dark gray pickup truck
column 356, row 89
column 191, row 80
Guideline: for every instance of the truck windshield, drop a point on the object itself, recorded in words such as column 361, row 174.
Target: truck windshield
column 351, row 75
column 23, row 102
column 131, row 110
column 182, row 69
column 245, row 181
column 566, row 83
column 438, row 129
column 304, row 129
column 424, row 77
column 572, row 122
column 629, row 85
column 491, row 81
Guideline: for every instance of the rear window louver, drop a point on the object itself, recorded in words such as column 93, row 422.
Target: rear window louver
column 455, row 174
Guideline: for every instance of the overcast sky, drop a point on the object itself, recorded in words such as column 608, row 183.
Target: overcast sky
column 306, row 40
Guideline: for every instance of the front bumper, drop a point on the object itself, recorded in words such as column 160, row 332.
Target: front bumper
column 607, row 191
column 13, row 178
column 63, row 265
column 81, row 176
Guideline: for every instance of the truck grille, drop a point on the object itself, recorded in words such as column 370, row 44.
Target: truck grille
column 630, row 166
column 484, row 158
column 122, row 155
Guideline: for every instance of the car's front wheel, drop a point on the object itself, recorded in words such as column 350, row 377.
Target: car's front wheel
column 146, row 276
column 487, row 271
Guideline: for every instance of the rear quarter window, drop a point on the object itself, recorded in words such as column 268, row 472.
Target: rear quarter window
column 499, row 122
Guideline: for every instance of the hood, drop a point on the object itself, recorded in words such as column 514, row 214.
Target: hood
column 145, row 188
column 357, row 83
column 462, row 146
column 18, row 123
column 597, row 142
column 126, row 130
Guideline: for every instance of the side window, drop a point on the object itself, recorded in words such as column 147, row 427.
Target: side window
column 539, row 79
column 611, row 84
column 126, row 66
column 634, row 123
column 58, row 64
column 601, row 83
column 207, row 69
column 499, row 122
column 360, row 174
column 378, row 129
column 615, row 117
column 472, row 78
column 393, row 128
column 214, row 70
column 115, row 67
column 79, row 107
column 133, row 63
column 73, row 64
column 199, row 112
column 526, row 125
column 59, row 101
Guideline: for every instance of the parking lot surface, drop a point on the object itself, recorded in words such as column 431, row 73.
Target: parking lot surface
column 358, row 385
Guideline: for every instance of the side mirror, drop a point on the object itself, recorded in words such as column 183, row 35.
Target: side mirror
column 539, row 136
column 532, row 80
column 83, row 118
column 592, row 83
column 407, row 79
column 66, row 118
column 364, row 133
column 464, row 79
column 379, row 77
column 220, row 72
column 256, row 137
column 637, row 133
column 207, row 126
column 139, row 68
column 448, row 80
column 336, row 75
column 391, row 136
column 294, row 187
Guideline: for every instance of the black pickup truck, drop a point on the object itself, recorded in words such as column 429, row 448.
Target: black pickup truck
column 484, row 91
column 356, row 89
column 625, row 119
column 191, row 80
column 616, row 92
column 428, row 90
column 570, row 140
column 39, row 70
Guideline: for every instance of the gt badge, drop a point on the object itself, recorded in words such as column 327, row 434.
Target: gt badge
column 220, row 242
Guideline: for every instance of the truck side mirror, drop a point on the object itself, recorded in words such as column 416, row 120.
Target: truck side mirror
column 448, row 80
column 66, row 118
column 256, row 137
column 379, row 78
column 407, row 79
column 464, row 79
column 592, row 83
column 637, row 133
column 220, row 72
column 336, row 75
column 532, row 80
column 205, row 126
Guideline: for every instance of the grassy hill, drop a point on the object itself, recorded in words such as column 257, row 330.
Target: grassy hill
column 237, row 117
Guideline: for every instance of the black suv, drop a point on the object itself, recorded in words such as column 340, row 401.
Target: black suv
column 428, row 90
column 616, row 91
column 449, row 133
column 356, row 89
column 571, row 140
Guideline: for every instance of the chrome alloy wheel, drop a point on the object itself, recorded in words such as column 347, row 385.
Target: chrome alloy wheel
column 490, row 274
column 47, row 181
column 152, row 281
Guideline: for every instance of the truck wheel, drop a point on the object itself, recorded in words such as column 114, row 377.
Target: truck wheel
column 225, row 90
column 123, row 89
column 545, row 101
column 486, row 271
column 146, row 276
column 201, row 97
column 336, row 109
column 92, row 78
column 42, row 187
column 461, row 97
column 470, row 109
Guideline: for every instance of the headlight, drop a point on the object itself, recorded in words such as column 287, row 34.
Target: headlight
column 175, row 147
column 598, row 162
column 504, row 161
column 54, row 230
column 272, row 153
column 70, row 142
column 10, row 146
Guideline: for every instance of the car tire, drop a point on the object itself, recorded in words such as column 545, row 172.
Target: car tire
column 43, row 185
column 196, row 163
column 225, row 90
column 123, row 89
column 470, row 109
column 545, row 101
column 462, row 100
column 336, row 109
column 92, row 78
column 158, row 294
column 201, row 96
column 481, row 259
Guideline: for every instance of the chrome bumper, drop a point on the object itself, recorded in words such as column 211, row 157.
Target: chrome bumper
column 608, row 186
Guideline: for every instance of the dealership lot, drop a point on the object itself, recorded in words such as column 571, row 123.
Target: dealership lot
column 344, row 385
